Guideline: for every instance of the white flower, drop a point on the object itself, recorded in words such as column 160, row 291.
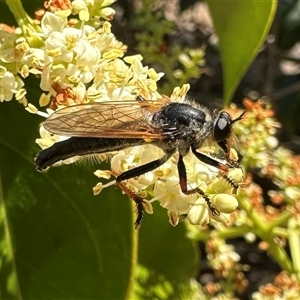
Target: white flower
column 172, row 198
column 47, row 139
column 52, row 23
column 71, row 58
column 132, row 158
column 87, row 9
column 80, row 8
column 9, row 84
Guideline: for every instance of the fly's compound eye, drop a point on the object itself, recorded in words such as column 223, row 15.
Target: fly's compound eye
column 222, row 126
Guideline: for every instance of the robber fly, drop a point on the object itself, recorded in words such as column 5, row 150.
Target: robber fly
column 114, row 125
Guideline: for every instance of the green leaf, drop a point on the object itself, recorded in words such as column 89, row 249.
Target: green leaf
column 58, row 241
column 168, row 259
column 242, row 27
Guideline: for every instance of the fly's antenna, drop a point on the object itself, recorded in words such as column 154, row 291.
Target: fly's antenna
column 240, row 117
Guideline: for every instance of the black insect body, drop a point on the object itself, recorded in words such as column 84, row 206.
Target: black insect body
column 114, row 125
column 182, row 125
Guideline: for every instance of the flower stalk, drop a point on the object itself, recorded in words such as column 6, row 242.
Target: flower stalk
column 28, row 26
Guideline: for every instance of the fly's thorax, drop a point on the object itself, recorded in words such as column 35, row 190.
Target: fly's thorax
column 182, row 123
column 179, row 113
column 203, row 135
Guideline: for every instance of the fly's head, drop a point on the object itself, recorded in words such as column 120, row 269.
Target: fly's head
column 221, row 131
column 222, row 126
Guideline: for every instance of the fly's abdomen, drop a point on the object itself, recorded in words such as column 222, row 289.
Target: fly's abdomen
column 77, row 146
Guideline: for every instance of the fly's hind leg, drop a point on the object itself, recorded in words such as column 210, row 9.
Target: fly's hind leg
column 138, row 171
column 138, row 201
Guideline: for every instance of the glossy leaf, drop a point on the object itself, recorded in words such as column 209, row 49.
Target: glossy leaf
column 242, row 27
column 168, row 259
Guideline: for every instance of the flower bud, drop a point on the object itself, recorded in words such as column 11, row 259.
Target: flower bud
column 236, row 174
column 222, row 218
column 198, row 214
column 225, row 203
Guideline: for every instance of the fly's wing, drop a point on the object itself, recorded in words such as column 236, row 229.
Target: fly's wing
column 111, row 119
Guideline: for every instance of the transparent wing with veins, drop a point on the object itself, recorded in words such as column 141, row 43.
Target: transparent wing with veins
column 111, row 119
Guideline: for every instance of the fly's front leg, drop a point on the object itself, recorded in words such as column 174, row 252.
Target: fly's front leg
column 138, row 171
column 230, row 162
column 183, row 185
column 215, row 163
column 222, row 167
column 210, row 161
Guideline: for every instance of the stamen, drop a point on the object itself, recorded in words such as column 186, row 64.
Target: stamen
column 109, row 184
column 158, row 197
column 42, row 114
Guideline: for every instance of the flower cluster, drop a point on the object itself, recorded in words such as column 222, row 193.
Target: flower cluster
column 13, row 49
column 285, row 286
column 260, row 149
column 80, row 61
column 225, row 262
column 260, row 124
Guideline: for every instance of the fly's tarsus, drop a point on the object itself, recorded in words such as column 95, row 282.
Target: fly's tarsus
column 138, row 201
column 231, row 182
column 140, row 215
column 233, row 164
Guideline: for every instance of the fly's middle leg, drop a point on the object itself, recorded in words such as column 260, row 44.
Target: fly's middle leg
column 183, row 185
